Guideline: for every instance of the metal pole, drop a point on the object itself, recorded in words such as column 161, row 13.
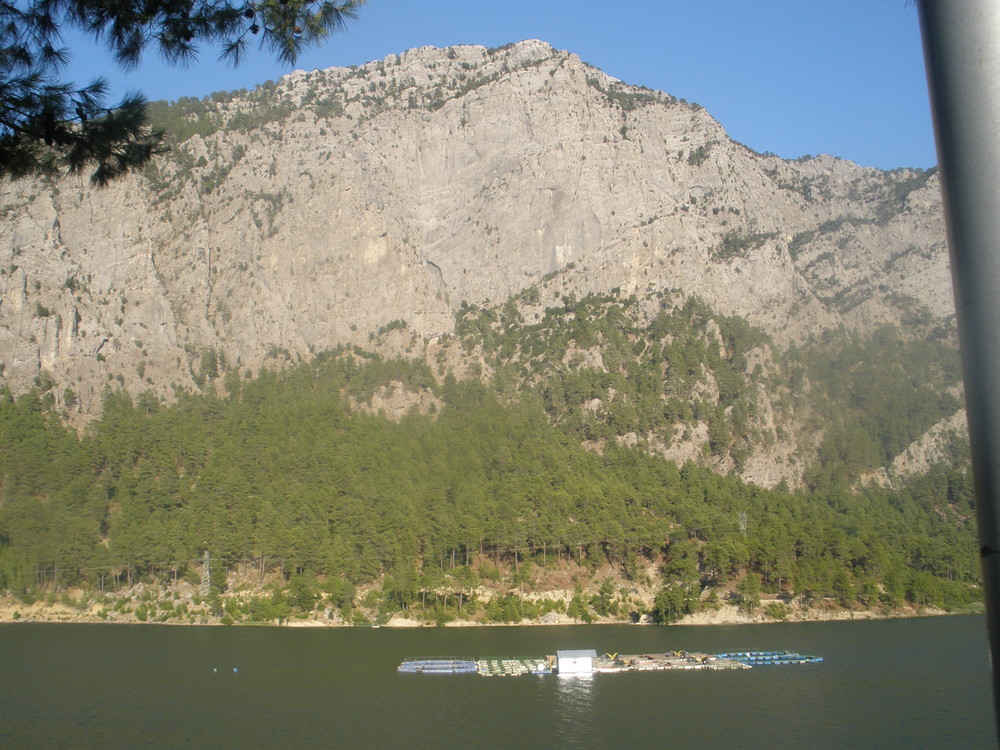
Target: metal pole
column 962, row 54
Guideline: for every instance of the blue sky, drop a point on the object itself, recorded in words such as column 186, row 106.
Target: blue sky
column 790, row 76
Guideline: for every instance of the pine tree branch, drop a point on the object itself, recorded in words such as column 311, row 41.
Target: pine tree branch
column 47, row 127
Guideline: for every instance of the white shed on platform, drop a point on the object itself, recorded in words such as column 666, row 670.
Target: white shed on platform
column 578, row 661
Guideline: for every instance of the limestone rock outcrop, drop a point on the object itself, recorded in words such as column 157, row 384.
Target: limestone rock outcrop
column 315, row 211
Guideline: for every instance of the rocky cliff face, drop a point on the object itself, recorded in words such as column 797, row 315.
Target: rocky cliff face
column 317, row 210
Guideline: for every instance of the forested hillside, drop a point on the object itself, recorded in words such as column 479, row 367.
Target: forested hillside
column 669, row 373
column 548, row 452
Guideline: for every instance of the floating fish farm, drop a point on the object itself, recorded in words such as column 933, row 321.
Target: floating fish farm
column 587, row 661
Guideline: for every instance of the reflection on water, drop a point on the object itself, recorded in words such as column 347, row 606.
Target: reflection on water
column 574, row 703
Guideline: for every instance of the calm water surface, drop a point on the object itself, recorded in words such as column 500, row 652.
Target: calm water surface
column 891, row 684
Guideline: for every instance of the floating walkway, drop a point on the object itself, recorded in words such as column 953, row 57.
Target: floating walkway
column 513, row 667
column 670, row 660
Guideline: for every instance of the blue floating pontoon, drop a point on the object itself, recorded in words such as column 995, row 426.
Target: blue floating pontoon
column 767, row 658
column 439, row 666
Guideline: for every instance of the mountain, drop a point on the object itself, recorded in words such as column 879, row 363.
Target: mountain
column 454, row 331
column 336, row 207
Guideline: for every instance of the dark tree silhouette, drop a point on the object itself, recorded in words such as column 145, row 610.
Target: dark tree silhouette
column 47, row 126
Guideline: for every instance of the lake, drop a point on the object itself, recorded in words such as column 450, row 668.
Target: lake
column 920, row 683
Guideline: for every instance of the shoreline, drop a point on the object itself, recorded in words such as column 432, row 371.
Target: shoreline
column 15, row 612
